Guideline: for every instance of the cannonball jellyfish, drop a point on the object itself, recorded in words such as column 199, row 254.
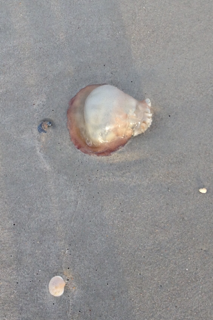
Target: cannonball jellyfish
column 56, row 286
column 102, row 118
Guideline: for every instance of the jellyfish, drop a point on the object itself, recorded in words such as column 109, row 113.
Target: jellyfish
column 102, row 118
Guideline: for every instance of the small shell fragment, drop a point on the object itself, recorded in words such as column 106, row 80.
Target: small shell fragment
column 202, row 190
column 43, row 126
column 56, row 286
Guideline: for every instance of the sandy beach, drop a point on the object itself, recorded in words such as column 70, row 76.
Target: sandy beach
column 130, row 234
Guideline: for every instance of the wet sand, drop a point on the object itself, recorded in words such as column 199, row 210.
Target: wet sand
column 130, row 234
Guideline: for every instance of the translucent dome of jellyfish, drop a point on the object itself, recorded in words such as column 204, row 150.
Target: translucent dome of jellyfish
column 56, row 286
column 102, row 118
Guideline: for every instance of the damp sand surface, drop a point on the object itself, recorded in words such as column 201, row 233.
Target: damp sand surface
column 130, row 234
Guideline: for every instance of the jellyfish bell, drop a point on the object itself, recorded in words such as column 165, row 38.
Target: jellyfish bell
column 102, row 118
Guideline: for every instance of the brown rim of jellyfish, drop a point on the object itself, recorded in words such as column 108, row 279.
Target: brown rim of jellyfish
column 75, row 134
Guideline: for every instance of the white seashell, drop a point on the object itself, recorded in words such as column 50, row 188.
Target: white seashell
column 102, row 118
column 56, row 286
column 202, row 190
